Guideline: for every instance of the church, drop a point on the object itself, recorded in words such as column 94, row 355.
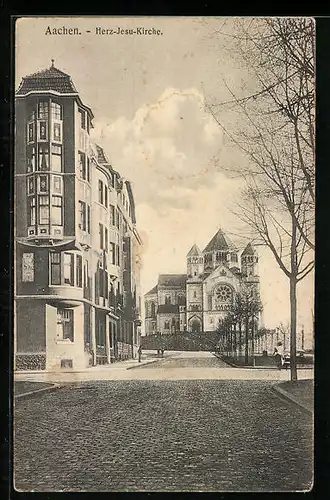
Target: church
column 197, row 300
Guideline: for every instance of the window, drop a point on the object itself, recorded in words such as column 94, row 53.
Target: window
column 57, row 210
column 82, row 215
column 55, row 268
column 112, row 215
column 43, row 109
column 57, row 136
column 32, row 210
column 30, row 185
column 43, row 163
column 112, row 256
column 68, row 268
column 88, row 219
column 43, row 130
column 82, row 118
column 56, row 158
column 106, row 239
column 82, row 165
column 57, row 184
column 56, row 111
column 31, row 159
column 79, row 271
column 43, row 209
column 195, row 294
column 117, row 255
column 88, row 170
column 166, row 325
column 86, row 274
column 167, row 299
column 31, row 132
column 28, row 267
column 100, row 192
column 64, row 324
column 101, row 236
column 42, row 183
column 117, row 218
column 106, row 196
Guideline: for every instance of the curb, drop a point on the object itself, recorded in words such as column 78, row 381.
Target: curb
column 259, row 367
column 53, row 387
column 284, row 394
column 142, row 364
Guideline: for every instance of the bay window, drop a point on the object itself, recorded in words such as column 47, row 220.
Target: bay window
column 57, row 184
column 30, row 185
column 68, row 270
column 101, row 192
column 32, row 210
column 57, row 132
column 43, row 163
column 43, row 209
column 112, row 215
column 56, row 158
column 31, row 158
column 56, row 111
column 55, row 268
column 79, row 271
column 43, row 109
column 57, row 210
column 42, row 183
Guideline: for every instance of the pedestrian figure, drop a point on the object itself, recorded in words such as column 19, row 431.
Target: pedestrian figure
column 278, row 355
column 162, row 351
column 140, row 353
column 158, row 352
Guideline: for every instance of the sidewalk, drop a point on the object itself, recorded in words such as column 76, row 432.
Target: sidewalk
column 300, row 392
column 98, row 372
column 24, row 389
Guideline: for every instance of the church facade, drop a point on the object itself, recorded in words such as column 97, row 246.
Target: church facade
column 197, row 300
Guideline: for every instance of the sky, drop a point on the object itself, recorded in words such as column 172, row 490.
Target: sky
column 148, row 95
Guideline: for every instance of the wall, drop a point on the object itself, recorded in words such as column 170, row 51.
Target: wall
column 31, row 326
column 62, row 349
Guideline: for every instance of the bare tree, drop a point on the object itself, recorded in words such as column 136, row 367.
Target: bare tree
column 275, row 130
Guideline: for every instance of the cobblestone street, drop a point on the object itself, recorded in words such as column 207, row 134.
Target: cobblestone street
column 152, row 435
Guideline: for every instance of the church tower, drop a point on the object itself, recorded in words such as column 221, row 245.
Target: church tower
column 249, row 262
column 194, row 262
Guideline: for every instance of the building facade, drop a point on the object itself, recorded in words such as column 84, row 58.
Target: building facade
column 77, row 249
column 197, row 300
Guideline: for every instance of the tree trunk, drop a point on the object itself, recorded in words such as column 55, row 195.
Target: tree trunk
column 293, row 328
column 240, row 338
column 246, row 361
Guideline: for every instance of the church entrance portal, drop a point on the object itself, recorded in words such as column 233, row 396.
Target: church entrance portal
column 195, row 326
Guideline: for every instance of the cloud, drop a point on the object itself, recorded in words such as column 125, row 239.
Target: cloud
column 167, row 143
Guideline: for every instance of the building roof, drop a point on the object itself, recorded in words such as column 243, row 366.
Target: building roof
column 172, row 280
column 153, row 291
column 101, row 155
column 220, row 241
column 47, row 79
column 249, row 250
column 194, row 251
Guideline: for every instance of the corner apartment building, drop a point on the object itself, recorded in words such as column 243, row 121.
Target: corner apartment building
column 77, row 249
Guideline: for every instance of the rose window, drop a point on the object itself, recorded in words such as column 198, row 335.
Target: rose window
column 223, row 293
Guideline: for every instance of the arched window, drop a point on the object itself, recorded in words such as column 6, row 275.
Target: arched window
column 167, row 299
column 153, row 309
column 166, row 325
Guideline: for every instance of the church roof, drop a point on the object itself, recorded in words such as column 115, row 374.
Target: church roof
column 220, row 241
column 153, row 290
column 194, row 251
column 47, row 79
column 249, row 250
column 172, row 280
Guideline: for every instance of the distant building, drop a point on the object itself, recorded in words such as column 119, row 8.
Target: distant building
column 197, row 300
column 77, row 249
